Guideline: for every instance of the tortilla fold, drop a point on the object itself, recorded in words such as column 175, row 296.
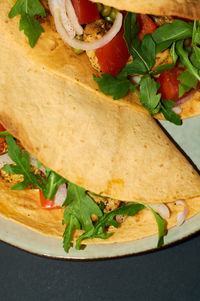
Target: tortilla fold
column 52, row 54
column 189, row 9
column 51, row 104
column 24, row 207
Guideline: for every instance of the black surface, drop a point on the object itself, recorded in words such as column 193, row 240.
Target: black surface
column 170, row 274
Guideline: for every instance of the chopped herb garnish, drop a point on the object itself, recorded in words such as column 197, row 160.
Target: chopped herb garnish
column 148, row 94
column 167, row 34
column 28, row 9
column 117, row 87
column 48, row 185
column 98, row 230
column 161, row 227
column 166, row 106
column 79, row 208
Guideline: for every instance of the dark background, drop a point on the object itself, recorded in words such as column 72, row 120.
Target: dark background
column 170, row 274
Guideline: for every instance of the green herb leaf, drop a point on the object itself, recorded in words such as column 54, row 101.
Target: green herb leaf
column 117, row 87
column 196, row 33
column 161, row 68
column 165, row 35
column 143, row 53
column 170, row 115
column 161, row 227
column 4, row 134
column 22, row 166
column 28, row 9
column 48, row 185
column 79, row 208
column 108, row 220
column 188, row 81
column 184, row 57
column 53, row 181
column 148, row 94
column 131, row 28
column 173, row 53
column 195, row 59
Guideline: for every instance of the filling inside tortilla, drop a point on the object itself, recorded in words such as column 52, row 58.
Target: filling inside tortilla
column 83, row 210
column 157, row 56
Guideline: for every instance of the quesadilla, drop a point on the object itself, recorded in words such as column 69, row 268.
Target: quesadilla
column 40, row 199
column 111, row 149
column 178, row 79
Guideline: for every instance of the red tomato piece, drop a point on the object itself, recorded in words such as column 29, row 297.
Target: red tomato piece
column 2, row 144
column 86, row 11
column 169, row 82
column 46, row 203
column 146, row 25
column 2, row 139
column 113, row 56
column 2, row 129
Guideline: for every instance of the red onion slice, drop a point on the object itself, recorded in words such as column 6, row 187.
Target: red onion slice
column 34, row 162
column 5, row 159
column 74, row 43
column 177, row 109
column 61, row 195
column 136, row 79
column 181, row 217
column 73, row 17
column 161, row 209
column 186, row 98
column 60, row 4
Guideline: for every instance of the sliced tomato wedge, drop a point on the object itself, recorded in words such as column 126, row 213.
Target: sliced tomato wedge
column 2, row 139
column 113, row 56
column 46, row 203
column 146, row 25
column 86, row 11
column 169, row 82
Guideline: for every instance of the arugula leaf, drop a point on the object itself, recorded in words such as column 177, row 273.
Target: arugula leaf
column 161, row 68
column 52, row 184
column 148, row 94
column 108, row 220
column 170, row 115
column 28, row 9
column 196, row 33
column 173, row 53
column 134, row 68
column 143, row 53
column 195, row 60
column 188, row 81
column 4, row 134
column 22, row 166
column 48, row 185
column 161, row 227
column 165, row 35
column 196, row 41
column 117, row 87
column 80, row 207
column 184, row 57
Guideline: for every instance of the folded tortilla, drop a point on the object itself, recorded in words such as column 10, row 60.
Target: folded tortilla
column 53, row 55
column 189, row 9
column 24, row 208
column 51, row 104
